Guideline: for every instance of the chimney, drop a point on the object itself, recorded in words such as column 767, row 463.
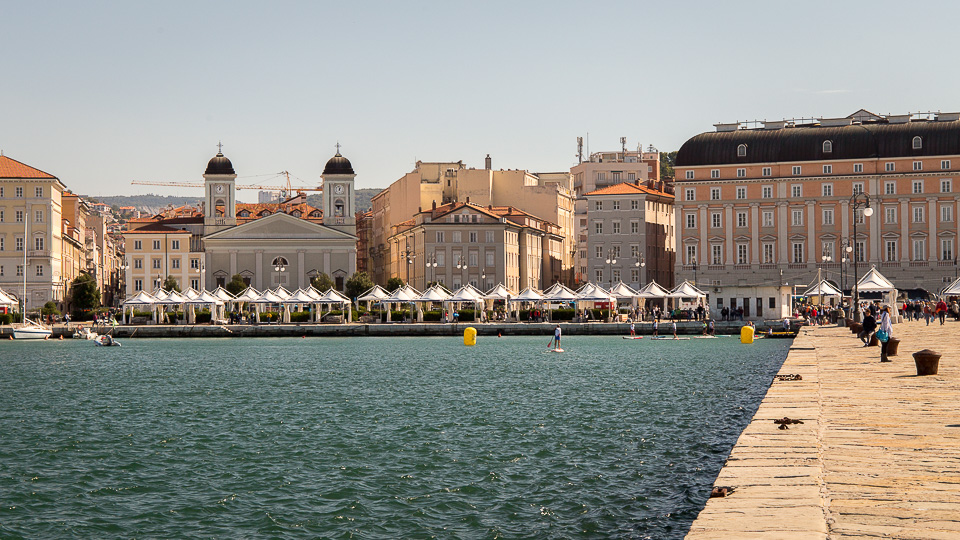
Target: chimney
column 487, row 163
column 468, row 200
column 434, row 204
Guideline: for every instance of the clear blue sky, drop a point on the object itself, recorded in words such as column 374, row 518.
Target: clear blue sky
column 102, row 93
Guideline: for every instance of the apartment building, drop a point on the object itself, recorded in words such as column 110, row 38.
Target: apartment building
column 549, row 196
column 156, row 251
column 778, row 201
column 461, row 242
column 630, row 235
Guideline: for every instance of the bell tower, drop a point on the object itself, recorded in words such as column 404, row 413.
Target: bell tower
column 338, row 196
column 220, row 202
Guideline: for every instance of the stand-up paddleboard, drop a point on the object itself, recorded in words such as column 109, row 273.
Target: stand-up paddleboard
column 632, row 337
column 670, row 338
column 704, row 337
column 554, row 350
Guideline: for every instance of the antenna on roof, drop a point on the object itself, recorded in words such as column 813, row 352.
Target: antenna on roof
column 623, row 144
column 579, row 149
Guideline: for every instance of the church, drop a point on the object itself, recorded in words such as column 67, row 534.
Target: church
column 284, row 243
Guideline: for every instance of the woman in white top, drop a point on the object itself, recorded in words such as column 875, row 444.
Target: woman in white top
column 886, row 325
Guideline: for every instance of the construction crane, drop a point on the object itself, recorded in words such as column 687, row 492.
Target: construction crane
column 285, row 191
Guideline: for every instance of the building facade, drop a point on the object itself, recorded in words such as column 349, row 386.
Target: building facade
column 776, row 204
column 631, row 225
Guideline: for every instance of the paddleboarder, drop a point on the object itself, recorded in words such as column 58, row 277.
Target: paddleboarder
column 556, row 337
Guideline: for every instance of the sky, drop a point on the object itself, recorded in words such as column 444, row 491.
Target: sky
column 101, row 94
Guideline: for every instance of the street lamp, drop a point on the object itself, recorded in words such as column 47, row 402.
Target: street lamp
column 462, row 266
column 611, row 260
column 432, row 263
column 483, row 279
column 693, row 262
column 858, row 200
column 845, row 250
column 410, row 258
column 280, row 266
column 640, row 263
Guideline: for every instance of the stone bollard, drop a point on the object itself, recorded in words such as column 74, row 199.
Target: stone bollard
column 892, row 345
column 874, row 342
column 928, row 362
column 855, row 328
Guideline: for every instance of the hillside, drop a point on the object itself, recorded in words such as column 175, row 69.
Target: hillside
column 152, row 203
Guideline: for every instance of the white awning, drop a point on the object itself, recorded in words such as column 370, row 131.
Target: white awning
column 652, row 290
column 142, row 298
column 559, row 293
column 686, row 290
column 621, row 291
column 248, row 295
column 874, row 281
column 822, row 288
column 373, row 295
column 499, row 292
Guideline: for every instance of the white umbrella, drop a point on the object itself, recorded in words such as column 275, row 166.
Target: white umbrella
column 223, row 294
column 142, row 298
column 499, row 292
column 191, row 294
column 248, row 295
column 282, row 293
column 621, row 291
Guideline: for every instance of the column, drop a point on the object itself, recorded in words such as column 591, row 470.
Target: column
column 845, row 219
column 905, row 219
column 782, row 227
column 352, row 261
column 258, row 268
column 932, row 216
column 702, row 257
column 301, row 269
column 233, row 263
column 813, row 252
column 728, row 257
column 754, row 234
column 326, row 262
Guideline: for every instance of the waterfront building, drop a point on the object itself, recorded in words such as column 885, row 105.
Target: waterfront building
column 600, row 170
column 773, row 203
column 460, row 242
column 630, row 234
column 156, row 251
column 548, row 196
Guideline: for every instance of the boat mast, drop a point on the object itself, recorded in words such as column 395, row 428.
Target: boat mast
column 23, row 310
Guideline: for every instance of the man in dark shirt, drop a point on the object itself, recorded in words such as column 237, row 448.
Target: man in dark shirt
column 869, row 325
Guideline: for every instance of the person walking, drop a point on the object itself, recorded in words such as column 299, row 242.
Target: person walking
column 927, row 312
column 941, row 311
column 886, row 326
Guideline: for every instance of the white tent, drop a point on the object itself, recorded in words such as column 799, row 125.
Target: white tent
column 465, row 294
column 652, row 290
column 499, row 292
column 822, row 288
column 191, row 294
column 141, row 299
column 874, row 281
column 223, row 294
column 594, row 293
column 528, row 295
column 375, row 294
column 559, row 293
column 621, row 291
column 282, row 293
column 686, row 290
column 248, row 295
column 333, row 296
column 953, row 289
column 6, row 301
column 204, row 299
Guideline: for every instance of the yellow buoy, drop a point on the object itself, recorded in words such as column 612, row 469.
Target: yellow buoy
column 746, row 334
column 470, row 336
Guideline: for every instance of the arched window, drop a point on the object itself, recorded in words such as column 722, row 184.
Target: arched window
column 742, row 150
column 244, row 213
column 265, row 213
column 315, row 214
column 827, row 147
column 295, row 213
column 917, row 143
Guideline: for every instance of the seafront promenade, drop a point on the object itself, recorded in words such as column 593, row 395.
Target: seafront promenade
column 877, row 454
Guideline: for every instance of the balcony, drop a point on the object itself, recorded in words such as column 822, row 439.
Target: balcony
column 797, row 266
column 38, row 253
column 919, row 264
column 338, row 221
column 946, row 263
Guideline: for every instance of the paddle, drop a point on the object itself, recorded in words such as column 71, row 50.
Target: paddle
column 550, row 345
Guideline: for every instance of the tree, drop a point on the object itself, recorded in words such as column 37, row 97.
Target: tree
column 394, row 283
column 668, row 161
column 50, row 308
column 358, row 284
column 171, row 284
column 236, row 285
column 84, row 292
column 322, row 282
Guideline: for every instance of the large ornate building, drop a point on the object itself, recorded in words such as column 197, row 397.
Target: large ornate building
column 780, row 202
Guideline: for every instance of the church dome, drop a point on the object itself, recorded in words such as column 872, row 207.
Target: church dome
column 338, row 165
column 219, row 165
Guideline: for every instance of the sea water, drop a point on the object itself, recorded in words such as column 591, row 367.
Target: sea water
column 370, row 437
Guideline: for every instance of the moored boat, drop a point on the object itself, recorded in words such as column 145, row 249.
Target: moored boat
column 31, row 330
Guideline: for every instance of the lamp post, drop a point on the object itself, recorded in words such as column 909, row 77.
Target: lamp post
column 694, row 263
column 483, row 279
column 280, row 266
column 639, row 263
column 121, row 282
column 410, row 257
column 846, row 248
column 431, row 263
column 858, row 200
column 611, row 260
column 462, row 266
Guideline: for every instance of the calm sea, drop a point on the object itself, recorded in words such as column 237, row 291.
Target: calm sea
column 370, row 437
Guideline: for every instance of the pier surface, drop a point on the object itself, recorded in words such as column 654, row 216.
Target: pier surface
column 877, row 454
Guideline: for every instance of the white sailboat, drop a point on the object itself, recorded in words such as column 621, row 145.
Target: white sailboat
column 29, row 329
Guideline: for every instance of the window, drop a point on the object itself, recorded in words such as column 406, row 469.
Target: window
column 828, row 169
column 716, row 254
column 860, row 250
column 767, row 192
column 890, row 251
column 715, row 220
column 490, row 256
column 691, row 221
column 195, row 283
column 944, row 164
column 857, row 187
column 616, row 275
column 19, row 243
column 796, row 191
column 489, row 237
column 137, row 244
column 138, row 263
column 634, row 205
column 174, row 244
column 441, row 258
column 473, row 258
column 39, row 270
column 946, row 185
column 714, row 173
column 917, row 143
column 457, row 237
column 828, row 216
column 38, row 216
column 858, row 167
column 797, row 217
column 689, row 175
column 616, row 205
column 632, row 177
column 38, row 192
column 634, row 227
column 599, row 275
column 156, row 244
column 772, row 302
column 138, row 284
column 798, row 252
column 598, row 227
column 827, row 147
column 634, row 251
column 440, row 237
column 918, row 214
column 1, row 216
column 19, row 270
column 473, row 237
column 194, row 264
column 796, row 170
column 19, row 216
column 601, row 177
column 918, row 186
column 741, row 219
column 890, row 188
column 1, row 243
column 741, row 173
column 635, row 275
column 918, row 165
column 38, row 243
column 946, row 249
column 827, row 190
column 18, row 192
column 598, row 205
column 616, row 176
column 175, row 263
column 742, row 257
column 889, row 166
column 715, row 194
column 691, row 254
column 767, row 253
column 742, row 192
column 946, row 213
column 766, row 171
column 890, row 214
column 858, row 216
column 599, row 252
column 616, row 227
column 919, row 249
column 1, row 192
column 767, row 219
column 827, row 248
column 688, row 193
column 156, row 264
column 742, row 150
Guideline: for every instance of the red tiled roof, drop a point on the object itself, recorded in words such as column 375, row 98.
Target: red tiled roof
column 629, row 188
column 11, row 168
column 157, row 228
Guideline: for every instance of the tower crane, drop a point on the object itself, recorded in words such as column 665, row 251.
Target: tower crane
column 285, row 190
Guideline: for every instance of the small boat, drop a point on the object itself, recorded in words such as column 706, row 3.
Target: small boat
column 106, row 341
column 84, row 333
column 32, row 330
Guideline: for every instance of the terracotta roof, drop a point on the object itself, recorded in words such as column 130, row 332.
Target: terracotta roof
column 157, row 228
column 11, row 168
column 628, row 188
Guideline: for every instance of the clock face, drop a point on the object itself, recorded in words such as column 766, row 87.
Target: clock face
column 219, row 188
column 338, row 188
